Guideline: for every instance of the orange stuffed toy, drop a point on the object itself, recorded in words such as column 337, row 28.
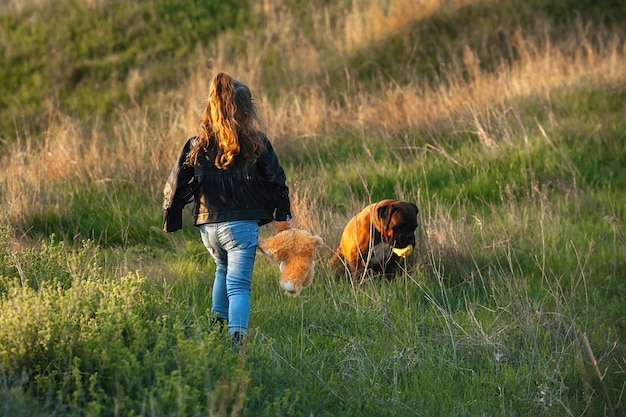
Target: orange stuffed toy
column 295, row 249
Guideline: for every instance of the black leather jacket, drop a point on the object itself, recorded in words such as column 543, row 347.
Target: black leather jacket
column 244, row 191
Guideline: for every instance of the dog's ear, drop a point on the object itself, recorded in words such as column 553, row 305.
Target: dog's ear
column 384, row 214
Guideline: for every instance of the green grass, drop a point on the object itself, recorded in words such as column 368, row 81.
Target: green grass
column 519, row 263
column 490, row 322
column 81, row 58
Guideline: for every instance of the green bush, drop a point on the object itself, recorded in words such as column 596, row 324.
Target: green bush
column 89, row 344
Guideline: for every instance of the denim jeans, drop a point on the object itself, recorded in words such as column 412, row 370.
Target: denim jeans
column 233, row 247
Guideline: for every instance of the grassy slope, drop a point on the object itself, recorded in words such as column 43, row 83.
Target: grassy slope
column 522, row 254
column 533, row 260
column 90, row 59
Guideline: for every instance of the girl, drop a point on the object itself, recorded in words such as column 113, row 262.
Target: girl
column 231, row 173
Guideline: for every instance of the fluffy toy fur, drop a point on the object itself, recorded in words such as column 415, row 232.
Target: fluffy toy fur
column 295, row 249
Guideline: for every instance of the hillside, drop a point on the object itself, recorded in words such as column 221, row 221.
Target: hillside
column 504, row 121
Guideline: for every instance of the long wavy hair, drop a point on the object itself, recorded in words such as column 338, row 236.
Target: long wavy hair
column 229, row 124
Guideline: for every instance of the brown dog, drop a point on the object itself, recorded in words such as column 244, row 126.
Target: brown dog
column 377, row 237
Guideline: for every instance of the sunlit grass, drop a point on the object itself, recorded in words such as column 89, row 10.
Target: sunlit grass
column 516, row 280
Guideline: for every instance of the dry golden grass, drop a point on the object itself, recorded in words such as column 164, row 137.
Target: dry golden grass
column 541, row 67
column 20, row 5
column 144, row 145
column 365, row 22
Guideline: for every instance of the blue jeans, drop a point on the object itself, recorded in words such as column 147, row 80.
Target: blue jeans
column 233, row 247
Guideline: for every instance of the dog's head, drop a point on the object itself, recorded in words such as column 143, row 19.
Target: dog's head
column 398, row 221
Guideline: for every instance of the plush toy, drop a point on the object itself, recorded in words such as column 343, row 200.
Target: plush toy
column 295, row 249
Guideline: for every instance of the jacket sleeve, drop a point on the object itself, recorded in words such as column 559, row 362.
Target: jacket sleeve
column 178, row 191
column 273, row 176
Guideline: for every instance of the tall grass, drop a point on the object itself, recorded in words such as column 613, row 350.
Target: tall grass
column 143, row 142
column 511, row 305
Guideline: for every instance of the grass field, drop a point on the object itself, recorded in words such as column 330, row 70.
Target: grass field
column 504, row 121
